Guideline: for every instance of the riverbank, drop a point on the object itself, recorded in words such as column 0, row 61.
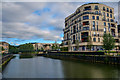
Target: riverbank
column 102, row 59
column 5, row 61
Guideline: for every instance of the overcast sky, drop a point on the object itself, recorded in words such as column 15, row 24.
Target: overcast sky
column 43, row 22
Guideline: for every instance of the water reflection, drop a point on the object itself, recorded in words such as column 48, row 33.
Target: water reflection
column 42, row 67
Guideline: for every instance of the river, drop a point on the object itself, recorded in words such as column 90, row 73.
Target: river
column 43, row 67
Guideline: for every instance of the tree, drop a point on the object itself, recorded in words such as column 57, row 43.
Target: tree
column 26, row 48
column 89, row 43
column 13, row 49
column 77, row 44
column 3, row 49
column 108, row 42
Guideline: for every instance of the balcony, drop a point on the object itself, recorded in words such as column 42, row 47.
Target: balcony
column 103, row 19
column 112, row 25
column 86, row 23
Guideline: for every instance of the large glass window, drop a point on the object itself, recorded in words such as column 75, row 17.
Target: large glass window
column 96, row 8
column 107, row 14
column 93, row 25
column 109, row 27
column 104, row 23
column 107, row 10
column 98, row 39
column 104, row 30
column 97, row 17
column 94, row 39
column 94, row 34
column 85, row 28
column 97, row 26
column 96, row 12
column 110, row 15
column 71, row 29
column 112, row 20
column 108, row 19
column 93, row 17
column 87, row 8
column 85, row 17
column 110, row 10
column 104, row 8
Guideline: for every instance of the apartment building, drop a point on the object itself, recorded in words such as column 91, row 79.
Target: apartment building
column 93, row 20
column 4, row 47
column 43, row 46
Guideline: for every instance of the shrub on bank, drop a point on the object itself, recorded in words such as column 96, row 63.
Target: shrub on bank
column 26, row 55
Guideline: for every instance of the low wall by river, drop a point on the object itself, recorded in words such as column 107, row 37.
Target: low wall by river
column 101, row 58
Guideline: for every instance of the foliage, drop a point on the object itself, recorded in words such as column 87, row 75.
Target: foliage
column 3, row 49
column 77, row 44
column 89, row 44
column 108, row 42
column 26, row 55
column 13, row 49
column 55, row 46
column 26, row 48
column 64, row 49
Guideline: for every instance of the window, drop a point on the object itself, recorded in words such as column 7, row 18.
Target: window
column 104, row 23
column 98, row 34
column 97, row 26
column 109, row 27
column 97, row 17
column 77, row 27
column 107, row 14
column 94, row 34
column 93, row 17
column 76, row 36
column 85, row 28
column 110, row 10
column 71, row 29
column 104, row 30
column 112, row 20
column 86, row 23
column 108, row 19
column 85, row 17
column 94, row 39
column 110, row 15
column 80, row 18
column 107, row 10
column 96, row 8
column 103, row 8
column 98, row 39
column 93, row 25
column 96, row 12
column 87, row 8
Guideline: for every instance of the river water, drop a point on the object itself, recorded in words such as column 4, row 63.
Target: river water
column 42, row 67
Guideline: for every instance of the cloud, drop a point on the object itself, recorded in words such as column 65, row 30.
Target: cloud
column 32, row 20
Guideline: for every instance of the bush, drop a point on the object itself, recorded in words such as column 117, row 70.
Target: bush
column 26, row 55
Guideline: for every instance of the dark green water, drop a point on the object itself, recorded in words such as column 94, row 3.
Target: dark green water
column 42, row 67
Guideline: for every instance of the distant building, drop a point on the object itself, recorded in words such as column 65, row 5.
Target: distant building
column 43, row 46
column 93, row 20
column 4, row 47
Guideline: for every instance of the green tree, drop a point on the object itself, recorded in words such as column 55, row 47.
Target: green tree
column 89, row 43
column 108, row 42
column 13, row 49
column 77, row 44
column 3, row 49
column 26, row 48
